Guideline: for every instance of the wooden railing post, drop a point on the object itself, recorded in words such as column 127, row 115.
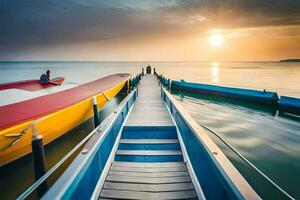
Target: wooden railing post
column 38, row 154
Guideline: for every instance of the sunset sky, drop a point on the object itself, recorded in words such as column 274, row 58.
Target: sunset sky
column 134, row 30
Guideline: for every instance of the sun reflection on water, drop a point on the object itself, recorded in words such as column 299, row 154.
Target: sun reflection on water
column 215, row 72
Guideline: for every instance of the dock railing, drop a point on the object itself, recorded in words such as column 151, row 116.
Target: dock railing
column 269, row 186
column 103, row 129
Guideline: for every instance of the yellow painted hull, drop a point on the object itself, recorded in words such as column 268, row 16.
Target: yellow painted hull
column 51, row 126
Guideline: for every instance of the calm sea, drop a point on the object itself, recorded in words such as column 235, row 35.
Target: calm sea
column 270, row 141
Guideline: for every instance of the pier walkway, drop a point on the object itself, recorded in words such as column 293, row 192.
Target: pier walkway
column 148, row 163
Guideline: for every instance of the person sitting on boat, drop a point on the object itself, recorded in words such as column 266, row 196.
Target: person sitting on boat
column 45, row 79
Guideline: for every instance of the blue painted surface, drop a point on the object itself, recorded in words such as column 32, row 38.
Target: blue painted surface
column 149, row 132
column 80, row 178
column 149, row 146
column 289, row 105
column 212, row 178
column 135, row 158
column 236, row 93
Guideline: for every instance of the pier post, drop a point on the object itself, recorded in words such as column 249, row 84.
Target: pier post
column 128, row 86
column 38, row 154
column 96, row 112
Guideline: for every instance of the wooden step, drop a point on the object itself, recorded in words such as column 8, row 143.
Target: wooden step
column 122, row 194
column 148, row 187
column 148, row 180
column 153, row 175
column 148, row 169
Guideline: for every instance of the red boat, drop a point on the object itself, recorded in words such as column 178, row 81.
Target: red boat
column 31, row 85
column 53, row 111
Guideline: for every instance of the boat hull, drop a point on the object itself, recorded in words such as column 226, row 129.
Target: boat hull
column 262, row 97
column 31, row 85
column 51, row 126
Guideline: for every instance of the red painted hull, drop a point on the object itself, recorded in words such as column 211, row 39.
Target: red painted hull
column 17, row 113
column 31, row 85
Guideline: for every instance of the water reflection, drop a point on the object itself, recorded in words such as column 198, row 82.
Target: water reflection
column 268, row 140
column 215, row 72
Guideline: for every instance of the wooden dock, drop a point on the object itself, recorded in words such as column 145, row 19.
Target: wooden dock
column 149, row 109
column 148, row 163
column 141, row 152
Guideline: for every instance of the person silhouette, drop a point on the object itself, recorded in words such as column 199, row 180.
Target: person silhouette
column 45, row 78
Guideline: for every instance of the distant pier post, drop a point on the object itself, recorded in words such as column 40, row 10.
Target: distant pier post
column 38, row 154
column 96, row 112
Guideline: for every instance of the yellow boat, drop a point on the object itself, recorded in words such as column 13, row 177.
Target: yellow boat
column 52, row 115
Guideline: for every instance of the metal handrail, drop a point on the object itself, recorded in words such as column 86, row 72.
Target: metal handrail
column 36, row 184
column 248, row 162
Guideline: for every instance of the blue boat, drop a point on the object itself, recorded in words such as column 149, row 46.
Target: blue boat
column 264, row 97
column 289, row 105
column 149, row 148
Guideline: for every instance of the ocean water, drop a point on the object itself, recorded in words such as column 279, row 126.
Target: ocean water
column 283, row 78
column 270, row 141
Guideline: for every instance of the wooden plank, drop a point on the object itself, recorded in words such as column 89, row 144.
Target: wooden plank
column 145, row 174
column 134, row 180
column 150, row 180
column 122, row 194
column 148, row 187
column 138, row 164
column 150, row 170
column 149, row 109
column 148, row 152
column 148, row 141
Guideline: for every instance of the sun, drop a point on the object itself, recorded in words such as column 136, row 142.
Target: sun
column 216, row 40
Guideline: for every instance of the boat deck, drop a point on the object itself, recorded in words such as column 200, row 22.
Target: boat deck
column 148, row 163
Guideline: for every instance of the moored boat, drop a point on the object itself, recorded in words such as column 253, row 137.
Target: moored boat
column 52, row 115
column 31, row 85
column 263, row 97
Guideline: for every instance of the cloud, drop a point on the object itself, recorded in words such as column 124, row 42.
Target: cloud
column 34, row 24
column 244, row 13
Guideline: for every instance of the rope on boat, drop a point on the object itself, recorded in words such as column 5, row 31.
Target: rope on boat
column 107, row 98
column 22, row 133
column 248, row 162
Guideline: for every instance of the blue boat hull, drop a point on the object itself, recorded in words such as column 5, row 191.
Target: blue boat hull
column 264, row 97
column 289, row 105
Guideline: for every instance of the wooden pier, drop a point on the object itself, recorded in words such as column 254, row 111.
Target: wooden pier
column 140, row 151
column 148, row 163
